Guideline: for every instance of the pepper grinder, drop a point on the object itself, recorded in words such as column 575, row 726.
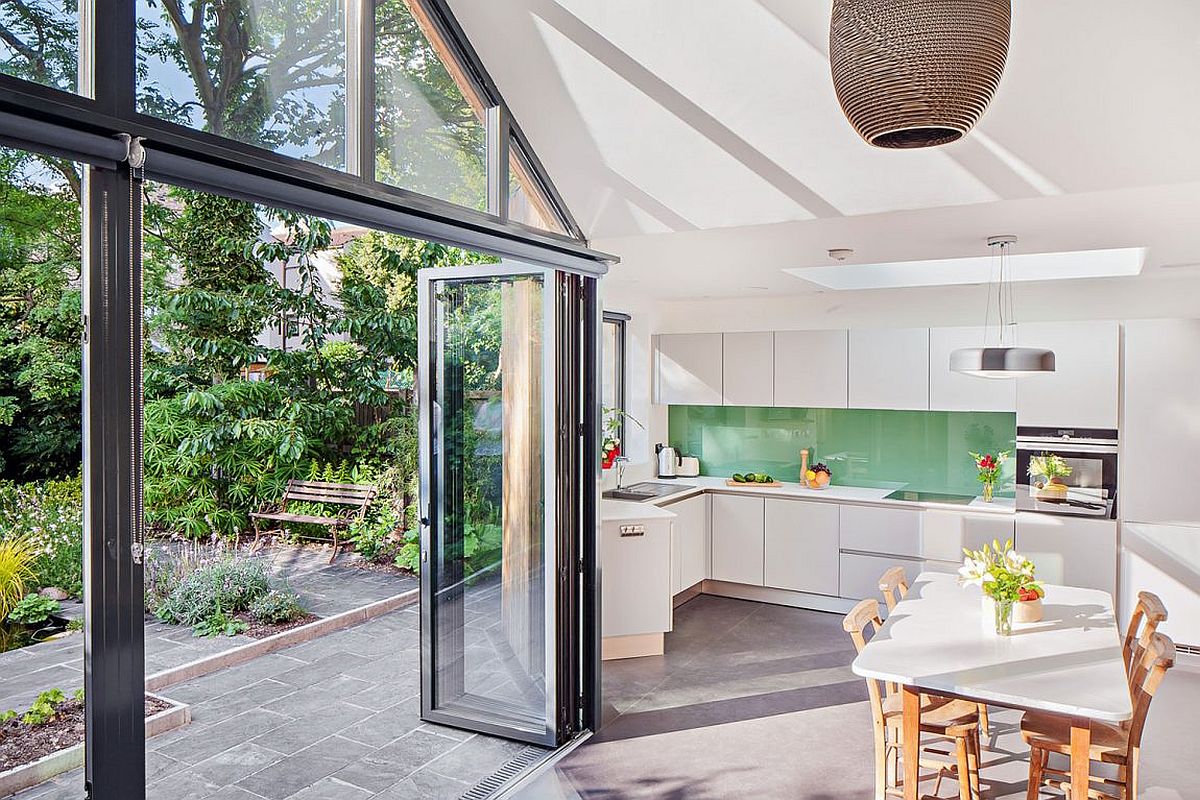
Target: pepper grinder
column 803, row 466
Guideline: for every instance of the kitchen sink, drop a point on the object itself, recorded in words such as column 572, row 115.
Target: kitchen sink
column 646, row 491
column 930, row 497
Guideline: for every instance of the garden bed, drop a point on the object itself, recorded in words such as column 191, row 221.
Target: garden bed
column 32, row 754
column 261, row 630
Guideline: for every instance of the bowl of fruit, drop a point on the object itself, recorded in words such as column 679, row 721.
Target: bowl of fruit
column 817, row 476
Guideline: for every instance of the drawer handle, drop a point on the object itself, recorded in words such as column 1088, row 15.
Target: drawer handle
column 633, row 530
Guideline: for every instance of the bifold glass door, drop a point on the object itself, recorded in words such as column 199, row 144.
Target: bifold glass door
column 489, row 552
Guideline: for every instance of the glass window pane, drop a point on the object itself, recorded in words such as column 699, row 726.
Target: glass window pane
column 431, row 135
column 40, row 42
column 271, row 73
column 527, row 203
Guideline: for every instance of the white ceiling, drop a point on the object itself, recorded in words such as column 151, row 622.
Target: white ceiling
column 701, row 140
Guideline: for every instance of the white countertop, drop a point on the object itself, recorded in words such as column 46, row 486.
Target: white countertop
column 1069, row 663
column 628, row 510
column 834, row 494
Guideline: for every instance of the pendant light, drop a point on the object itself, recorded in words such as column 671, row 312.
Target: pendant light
column 1005, row 359
column 917, row 73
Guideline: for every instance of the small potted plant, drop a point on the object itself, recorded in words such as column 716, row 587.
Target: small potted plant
column 610, row 447
column 1007, row 580
column 989, row 467
column 1047, row 472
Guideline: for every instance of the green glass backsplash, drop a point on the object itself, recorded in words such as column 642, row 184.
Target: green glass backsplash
column 924, row 450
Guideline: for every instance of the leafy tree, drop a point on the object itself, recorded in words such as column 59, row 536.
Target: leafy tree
column 40, row 355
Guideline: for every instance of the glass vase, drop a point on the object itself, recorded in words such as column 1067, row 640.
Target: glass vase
column 988, row 489
column 1004, row 616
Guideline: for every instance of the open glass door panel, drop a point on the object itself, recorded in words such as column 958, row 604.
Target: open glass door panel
column 487, row 380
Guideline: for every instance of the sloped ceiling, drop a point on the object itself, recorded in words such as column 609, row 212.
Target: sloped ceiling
column 716, row 119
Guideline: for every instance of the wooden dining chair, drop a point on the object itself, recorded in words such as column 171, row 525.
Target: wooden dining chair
column 957, row 720
column 1118, row 744
column 1147, row 615
column 894, row 586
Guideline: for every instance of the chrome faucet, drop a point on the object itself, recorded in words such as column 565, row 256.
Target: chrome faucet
column 619, row 462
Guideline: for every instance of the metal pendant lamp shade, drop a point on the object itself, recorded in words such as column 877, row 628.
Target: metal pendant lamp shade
column 917, row 73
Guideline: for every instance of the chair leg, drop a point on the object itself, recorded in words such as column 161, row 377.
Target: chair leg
column 1130, row 789
column 984, row 724
column 1037, row 765
column 964, row 768
column 881, row 758
column 973, row 758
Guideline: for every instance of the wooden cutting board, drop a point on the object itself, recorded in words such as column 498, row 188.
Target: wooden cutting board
column 746, row 484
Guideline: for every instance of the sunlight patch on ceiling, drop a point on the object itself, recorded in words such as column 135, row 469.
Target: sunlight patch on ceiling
column 1120, row 262
column 663, row 156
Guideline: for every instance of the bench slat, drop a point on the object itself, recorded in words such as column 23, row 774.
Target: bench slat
column 356, row 500
column 304, row 518
column 362, row 487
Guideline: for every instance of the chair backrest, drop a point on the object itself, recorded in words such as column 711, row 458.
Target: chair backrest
column 1147, row 615
column 894, row 585
column 862, row 618
column 342, row 494
column 1157, row 657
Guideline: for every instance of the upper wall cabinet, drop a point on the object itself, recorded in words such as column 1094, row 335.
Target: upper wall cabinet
column 811, row 369
column 687, row 369
column 749, row 369
column 1082, row 392
column 889, row 368
column 954, row 391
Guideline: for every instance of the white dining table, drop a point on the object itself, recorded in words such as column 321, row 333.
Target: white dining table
column 938, row 641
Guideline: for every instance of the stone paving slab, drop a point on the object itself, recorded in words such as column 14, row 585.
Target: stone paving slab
column 326, row 589
column 316, row 736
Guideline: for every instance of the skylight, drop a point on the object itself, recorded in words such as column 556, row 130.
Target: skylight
column 1074, row 265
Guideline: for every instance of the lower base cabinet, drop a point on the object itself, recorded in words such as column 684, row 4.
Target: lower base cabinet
column 691, row 542
column 800, row 546
column 737, row 539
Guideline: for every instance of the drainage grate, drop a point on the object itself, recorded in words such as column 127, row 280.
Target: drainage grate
column 492, row 784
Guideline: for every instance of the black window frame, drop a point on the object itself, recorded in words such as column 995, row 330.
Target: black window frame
column 619, row 320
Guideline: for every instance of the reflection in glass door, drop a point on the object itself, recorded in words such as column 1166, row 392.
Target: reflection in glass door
column 488, row 543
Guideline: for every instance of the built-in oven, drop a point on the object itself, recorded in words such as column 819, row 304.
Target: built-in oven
column 1067, row 471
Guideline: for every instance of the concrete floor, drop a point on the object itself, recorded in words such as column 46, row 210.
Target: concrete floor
column 758, row 701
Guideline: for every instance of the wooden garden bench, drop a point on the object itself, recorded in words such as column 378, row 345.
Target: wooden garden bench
column 353, row 498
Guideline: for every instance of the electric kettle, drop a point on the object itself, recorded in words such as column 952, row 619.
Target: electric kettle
column 668, row 461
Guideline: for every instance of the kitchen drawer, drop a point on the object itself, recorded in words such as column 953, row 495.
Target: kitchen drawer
column 800, row 550
column 945, row 533
column 737, row 539
column 858, row 574
column 891, row 531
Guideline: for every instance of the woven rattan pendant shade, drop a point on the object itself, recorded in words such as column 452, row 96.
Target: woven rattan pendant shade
column 917, row 73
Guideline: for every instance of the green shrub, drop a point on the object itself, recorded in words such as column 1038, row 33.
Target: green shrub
column 33, row 609
column 376, row 536
column 49, row 514
column 219, row 624
column 409, row 555
column 44, row 708
column 277, row 606
column 17, row 555
column 229, row 585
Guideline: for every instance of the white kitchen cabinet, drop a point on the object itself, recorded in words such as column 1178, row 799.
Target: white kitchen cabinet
column 1163, row 559
column 812, row 369
column 954, row 391
column 800, row 546
column 889, row 368
column 635, row 596
column 1160, row 428
column 1083, row 390
column 688, row 369
column 737, row 539
column 875, row 529
column 944, row 533
column 749, row 369
column 692, row 542
column 1073, row 551
column 859, row 574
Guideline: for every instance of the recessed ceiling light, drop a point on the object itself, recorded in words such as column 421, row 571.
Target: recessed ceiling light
column 840, row 253
column 1072, row 265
